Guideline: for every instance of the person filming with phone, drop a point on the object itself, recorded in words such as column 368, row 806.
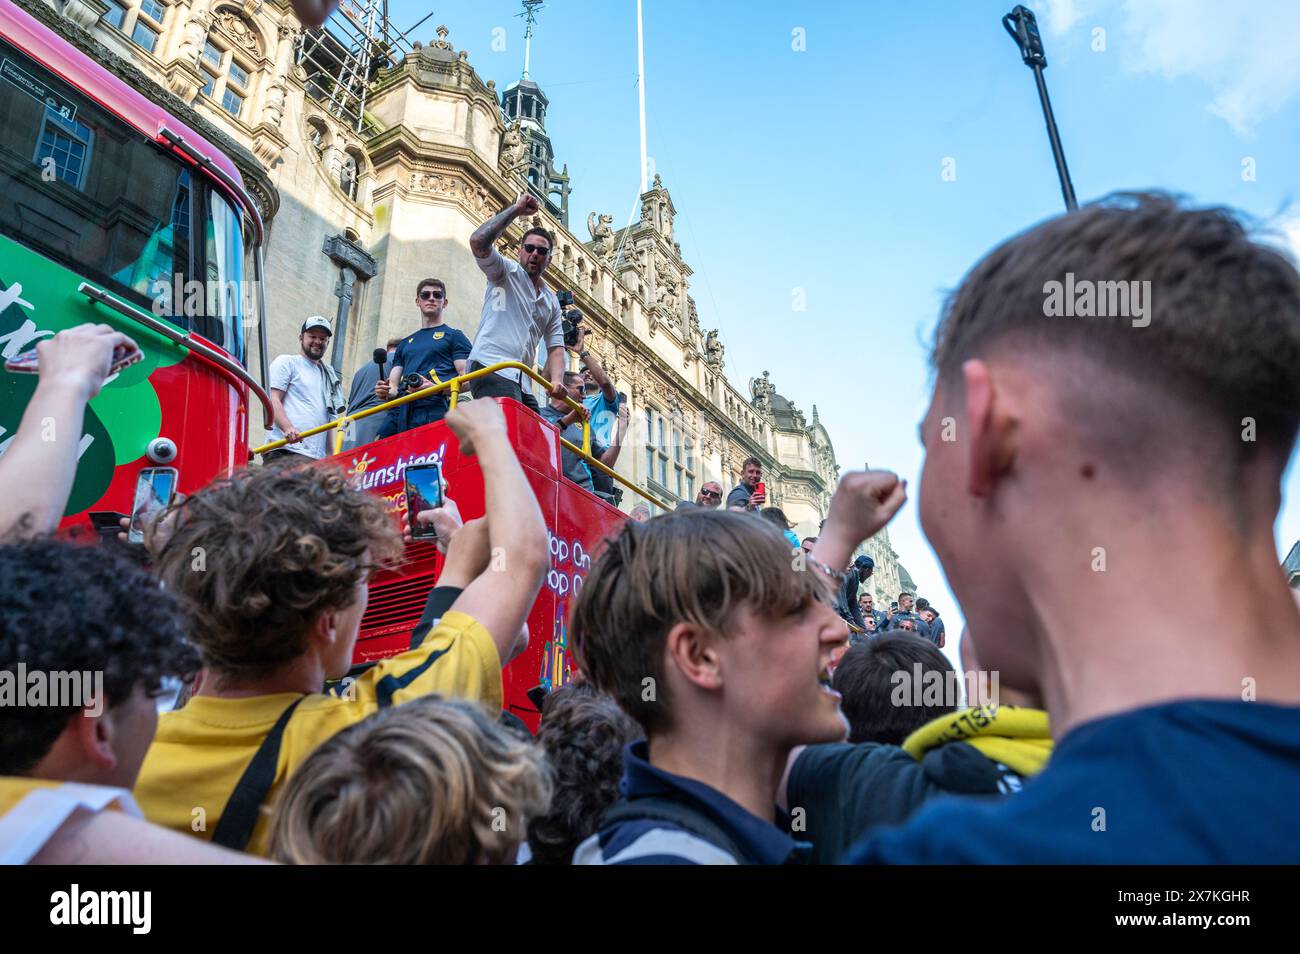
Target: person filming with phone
column 519, row 310
column 750, row 494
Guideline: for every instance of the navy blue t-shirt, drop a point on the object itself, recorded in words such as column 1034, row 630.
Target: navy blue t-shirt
column 1196, row 782
column 431, row 352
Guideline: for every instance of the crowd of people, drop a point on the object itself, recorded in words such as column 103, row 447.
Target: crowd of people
column 716, row 716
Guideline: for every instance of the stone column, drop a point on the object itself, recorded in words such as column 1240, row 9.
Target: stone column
column 273, row 110
column 183, row 75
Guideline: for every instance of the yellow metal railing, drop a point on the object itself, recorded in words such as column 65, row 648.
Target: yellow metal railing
column 339, row 426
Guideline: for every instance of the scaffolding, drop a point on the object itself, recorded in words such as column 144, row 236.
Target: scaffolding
column 343, row 56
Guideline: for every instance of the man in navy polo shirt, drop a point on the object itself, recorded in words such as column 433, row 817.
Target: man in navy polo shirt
column 699, row 627
column 1105, row 463
column 437, row 352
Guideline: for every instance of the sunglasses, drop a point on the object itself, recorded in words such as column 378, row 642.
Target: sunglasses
column 427, row 294
column 537, row 249
column 710, row 493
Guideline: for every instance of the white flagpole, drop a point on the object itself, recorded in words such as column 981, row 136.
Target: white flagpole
column 640, row 72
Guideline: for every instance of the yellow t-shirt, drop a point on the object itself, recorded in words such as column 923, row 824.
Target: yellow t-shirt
column 201, row 751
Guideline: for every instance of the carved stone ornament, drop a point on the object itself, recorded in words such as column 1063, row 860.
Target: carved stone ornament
column 601, row 227
column 240, row 32
column 453, row 187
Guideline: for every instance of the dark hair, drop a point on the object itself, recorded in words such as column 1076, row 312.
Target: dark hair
column 693, row 565
column 81, row 609
column 1222, row 343
column 869, row 676
column 583, row 733
column 902, row 594
column 922, row 603
column 544, row 233
column 751, row 460
column 570, row 375
column 279, row 547
column 776, row 516
column 430, row 281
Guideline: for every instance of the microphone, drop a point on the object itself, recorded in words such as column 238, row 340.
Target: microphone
column 381, row 357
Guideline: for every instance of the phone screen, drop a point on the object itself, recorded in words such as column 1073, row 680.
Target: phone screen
column 423, row 492
column 154, row 489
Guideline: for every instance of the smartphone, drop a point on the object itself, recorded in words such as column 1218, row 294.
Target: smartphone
column 423, row 492
column 761, row 490
column 154, row 490
column 29, row 362
column 107, row 523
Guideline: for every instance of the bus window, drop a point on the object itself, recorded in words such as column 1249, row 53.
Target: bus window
column 224, row 268
column 82, row 188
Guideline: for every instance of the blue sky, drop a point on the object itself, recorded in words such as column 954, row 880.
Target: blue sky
column 819, row 170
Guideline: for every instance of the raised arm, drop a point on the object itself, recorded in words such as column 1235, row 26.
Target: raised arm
column 592, row 361
column 502, row 594
column 486, row 235
column 37, row 471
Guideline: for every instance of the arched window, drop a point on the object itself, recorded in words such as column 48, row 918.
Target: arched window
column 318, row 136
column 348, row 176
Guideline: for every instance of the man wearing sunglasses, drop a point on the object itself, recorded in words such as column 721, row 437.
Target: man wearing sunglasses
column 519, row 310
column 710, row 495
column 436, row 352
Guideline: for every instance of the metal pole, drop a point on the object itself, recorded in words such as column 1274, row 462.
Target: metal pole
column 1054, row 137
column 640, row 82
column 1022, row 26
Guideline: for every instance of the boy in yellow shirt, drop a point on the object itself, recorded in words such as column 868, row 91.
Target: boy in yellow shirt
column 277, row 603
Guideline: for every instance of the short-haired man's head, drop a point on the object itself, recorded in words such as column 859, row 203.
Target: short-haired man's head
column 751, row 471
column 538, row 232
column 1217, row 340
column 905, row 600
column 86, row 619
column 583, row 733
column 431, row 782
column 869, row 676
column 691, row 566
column 710, row 494
column 279, row 547
column 393, row 343
column 431, row 283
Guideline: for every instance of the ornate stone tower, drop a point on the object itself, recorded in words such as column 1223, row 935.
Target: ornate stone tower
column 525, row 104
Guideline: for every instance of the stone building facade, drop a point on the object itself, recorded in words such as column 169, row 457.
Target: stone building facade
column 371, row 211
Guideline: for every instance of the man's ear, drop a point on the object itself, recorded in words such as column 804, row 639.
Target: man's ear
column 991, row 424
column 694, row 655
column 94, row 736
column 323, row 632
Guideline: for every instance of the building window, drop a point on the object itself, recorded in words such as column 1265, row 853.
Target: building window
column 232, row 102
column 67, row 144
column 348, row 176
column 115, row 16
column 670, row 460
column 144, row 36
column 225, row 80
column 153, row 10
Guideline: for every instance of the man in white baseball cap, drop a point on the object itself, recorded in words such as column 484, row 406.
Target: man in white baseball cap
column 305, row 392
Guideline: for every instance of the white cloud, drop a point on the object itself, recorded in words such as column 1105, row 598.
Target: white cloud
column 1248, row 56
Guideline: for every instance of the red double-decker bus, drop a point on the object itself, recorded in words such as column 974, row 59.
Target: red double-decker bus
column 111, row 210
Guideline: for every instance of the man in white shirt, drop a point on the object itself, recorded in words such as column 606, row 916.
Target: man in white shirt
column 305, row 393
column 519, row 310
